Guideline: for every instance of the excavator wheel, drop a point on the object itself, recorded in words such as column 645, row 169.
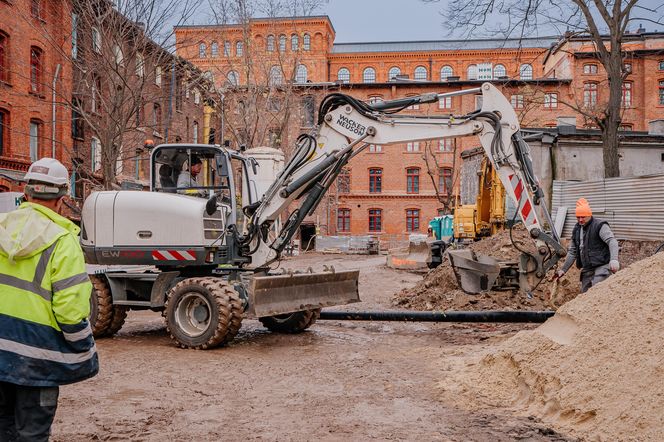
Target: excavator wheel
column 117, row 320
column 101, row 306
column 291, row 322
column 203, row 313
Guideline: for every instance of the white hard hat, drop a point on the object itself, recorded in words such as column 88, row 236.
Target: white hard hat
column 49, row 171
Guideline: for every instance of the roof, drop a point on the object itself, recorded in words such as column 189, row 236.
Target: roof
column 445, row 45
column 260, row 19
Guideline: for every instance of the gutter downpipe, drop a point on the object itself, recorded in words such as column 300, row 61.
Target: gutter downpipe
column 55, row 80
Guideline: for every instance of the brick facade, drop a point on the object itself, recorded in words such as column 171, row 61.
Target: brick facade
column 537, row 75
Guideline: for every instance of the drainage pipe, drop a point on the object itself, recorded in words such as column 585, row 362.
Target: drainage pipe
column 449, row 316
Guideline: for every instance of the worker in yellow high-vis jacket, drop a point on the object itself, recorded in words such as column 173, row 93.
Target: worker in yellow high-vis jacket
column 45, row 336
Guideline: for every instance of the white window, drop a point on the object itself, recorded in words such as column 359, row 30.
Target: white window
column 369, row 75
column 95, row 154
column 420, row 73
column 275, row 76
column 306, row 42
column 485, row 71
column 119, row 56
column 526, row 72
column 227, row 49
column 472, row 72
column 282, row 43
column 550, row 100
column 74, row 36
column 343, row 75
column 301, row 74
column 214, row 49
column 445, row 103
column 499, row 71
column 517, row 101
column 446, row 144
column 392, row 73
column 197, row 96
column 239, row 48
column 202, row 49
column 157, row 75
column 34, row 141
column 375, row 99
column 446, row 71
column 590, row 68
column 96, row 40
column 233, row 78
column 269, row 45
column 140, row 65
column 195, row 134
column 413, row 146
column 375, row 148
column 294, row 42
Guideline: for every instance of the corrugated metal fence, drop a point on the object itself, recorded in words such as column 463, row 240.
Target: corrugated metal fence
column 633, row 206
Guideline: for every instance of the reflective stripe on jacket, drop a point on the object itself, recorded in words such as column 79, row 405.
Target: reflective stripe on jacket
column 45, row 337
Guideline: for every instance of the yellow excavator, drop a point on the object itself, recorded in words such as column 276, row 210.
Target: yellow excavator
column 487, row 216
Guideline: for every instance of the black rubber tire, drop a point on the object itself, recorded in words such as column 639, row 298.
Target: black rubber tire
column 291, row 322
column 225, row 312
column 101, row 306
column 117, row 320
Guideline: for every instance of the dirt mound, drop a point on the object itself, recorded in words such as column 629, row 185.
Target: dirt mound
column 439, row 289
column 593, row 370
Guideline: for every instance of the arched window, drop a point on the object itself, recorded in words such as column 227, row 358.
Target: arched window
column 446, row 71
column 239, row 48
column 589, row 94
column 499, row 71
column 202, row 49
column 306, row 42
column 282, row 43
column 276, row 77
column 269, row 43
column 4, row 57
column 301, row 74
column 95, row 154
column 214, row 49
column 526, row 72
column 392, row 73
column 37, row 69
column 472, row 72
column 294, row 42
column 420, row 73
column 227, row 49
column 233, row 78
column 369, row 75
column 343, row 75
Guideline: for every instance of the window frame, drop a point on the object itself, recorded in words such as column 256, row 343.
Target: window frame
column 446, row 145
column 343, row 220
column 413, row 146
column 227, row 48
column 5, row 59
column 417, row 73
column 445, row 103
column 343, row 80
column 295, row 42
column 445, row 68
column 301, row 74
column 276, row 76
column 36, row 69
column 5, row 130
column 590, row 69
column 214, row 49
column 590, row 93
column 35, row 149
column 551, row 100
column 391, row 75
column 343, row 182
column 306, row 42
column 660, row 91
column 375, row 220
column 626, row 94
column 239, row 48
column 96, row 40
column 517, row 101
column 412, row 180
column 269, row 43
column 526, row 71
column 471, row 72
column 499, row 70
column 368, row 75
column 202, row 50
column 445, row 173
column 282, row 43
column 375, row 180
column 412, row 220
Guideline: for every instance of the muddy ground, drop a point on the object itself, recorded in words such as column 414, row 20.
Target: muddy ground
column 337, row 381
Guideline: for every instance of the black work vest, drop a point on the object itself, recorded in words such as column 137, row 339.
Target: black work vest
column 594, row 252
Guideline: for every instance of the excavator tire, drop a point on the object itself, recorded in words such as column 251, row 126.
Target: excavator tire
column 117, row 320
column 101, row 306
column 291, row 322
column 203, row 313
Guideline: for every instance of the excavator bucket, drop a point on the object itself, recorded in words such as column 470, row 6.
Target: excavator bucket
column 292, row 292
column 474, row 273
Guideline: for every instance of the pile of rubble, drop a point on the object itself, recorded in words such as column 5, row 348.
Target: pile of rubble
column 439, row 289
column 594, row 370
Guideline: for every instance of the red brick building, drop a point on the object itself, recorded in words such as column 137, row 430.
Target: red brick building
column 394, row 190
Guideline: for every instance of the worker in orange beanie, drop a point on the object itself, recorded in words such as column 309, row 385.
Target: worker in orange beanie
column 594, row 249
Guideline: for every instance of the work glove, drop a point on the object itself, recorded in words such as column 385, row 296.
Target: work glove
column 559, row 274
column 614, row 265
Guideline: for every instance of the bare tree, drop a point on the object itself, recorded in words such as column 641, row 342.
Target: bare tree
column 264, row 83
column 604, row 22
column 127, row 82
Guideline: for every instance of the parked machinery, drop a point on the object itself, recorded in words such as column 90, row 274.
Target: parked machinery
column 205, row 262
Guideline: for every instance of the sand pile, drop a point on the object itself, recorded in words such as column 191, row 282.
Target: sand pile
column 595, row 370
column 439, row 289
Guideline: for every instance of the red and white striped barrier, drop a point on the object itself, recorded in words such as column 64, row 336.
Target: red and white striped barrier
column 174, row 255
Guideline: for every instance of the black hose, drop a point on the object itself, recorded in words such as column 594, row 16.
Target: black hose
column 448, row 316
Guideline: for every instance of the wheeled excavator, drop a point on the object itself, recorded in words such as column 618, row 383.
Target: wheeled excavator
column 207, row 263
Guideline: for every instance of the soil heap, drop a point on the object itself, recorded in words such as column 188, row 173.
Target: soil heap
column 595, row 370
column 439, row 289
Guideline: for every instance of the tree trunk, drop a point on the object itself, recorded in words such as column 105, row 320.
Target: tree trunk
column 612, row 116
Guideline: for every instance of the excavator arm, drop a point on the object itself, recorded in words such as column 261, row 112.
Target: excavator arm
column 347, row 126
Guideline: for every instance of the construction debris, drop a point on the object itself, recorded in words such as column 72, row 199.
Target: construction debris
column 594, row 370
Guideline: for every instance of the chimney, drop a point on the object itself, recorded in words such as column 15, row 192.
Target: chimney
column 656, row 127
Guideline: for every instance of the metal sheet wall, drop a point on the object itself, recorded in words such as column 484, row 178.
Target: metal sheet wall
column 634, row 206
